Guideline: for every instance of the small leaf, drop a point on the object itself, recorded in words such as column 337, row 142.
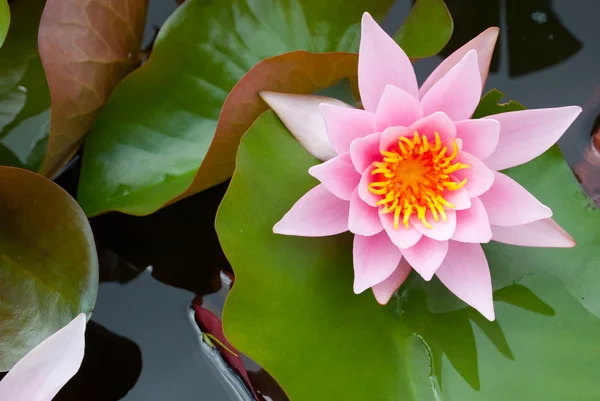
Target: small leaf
column 489, row 105
column 427, row 29
column 87, row 47
column 4, row 20
column 48, row 262
column 158, row 134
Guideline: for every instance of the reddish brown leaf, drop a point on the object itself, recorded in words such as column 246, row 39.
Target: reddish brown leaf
column 87, row 47
column 294, row 72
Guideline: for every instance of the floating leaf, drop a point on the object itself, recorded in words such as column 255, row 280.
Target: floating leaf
column 292, row 305
column 87, row 47
column 48, row 262
column 24, row 96
column 489, row 105
column 427, row 29
column 154, row 132
column 4, row 20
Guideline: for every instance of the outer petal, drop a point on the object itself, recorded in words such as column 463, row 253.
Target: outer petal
column 466, row 273
column 480, row 137
column 381, row 62
column 48, row 367
column 526, row 134
column 363, row 188
column 302, row 117
column 458, row 93
column 365, row 151
column 479, row 177
column 384, row 290
column 426, row 256
column 441, row 231
column 318, row 213
column 338, row 175
column 364, row 219
column 396, row 108
column 375, row 259
column 509, row 204
column 484, row 45
column 402, row 237
column 436, row 122
column 473, row 224
column 545, row 233
column 344, row 125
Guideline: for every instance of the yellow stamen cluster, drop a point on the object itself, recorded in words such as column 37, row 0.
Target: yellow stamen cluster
column 413, row 176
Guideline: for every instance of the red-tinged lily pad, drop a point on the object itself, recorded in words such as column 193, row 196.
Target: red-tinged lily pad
column 87, row 47
column 48, row 262
column 154, row 133
column 293, row 310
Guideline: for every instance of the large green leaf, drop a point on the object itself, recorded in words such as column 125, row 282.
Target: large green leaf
column 149, row 140
column 4, row 20
column 24, row 95
column 292, row 308
column 48, row 262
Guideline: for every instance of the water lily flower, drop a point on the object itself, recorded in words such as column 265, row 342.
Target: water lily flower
column 41, row 373
column 414, row 177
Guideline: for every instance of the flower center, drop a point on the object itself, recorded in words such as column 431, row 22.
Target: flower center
column 412, row 178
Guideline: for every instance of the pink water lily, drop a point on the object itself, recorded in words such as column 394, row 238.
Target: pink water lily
column 41, row 373
column 414, row 177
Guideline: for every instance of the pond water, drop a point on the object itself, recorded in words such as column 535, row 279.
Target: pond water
column 143, row 344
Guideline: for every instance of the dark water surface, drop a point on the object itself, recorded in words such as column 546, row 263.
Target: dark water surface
column 143, row 337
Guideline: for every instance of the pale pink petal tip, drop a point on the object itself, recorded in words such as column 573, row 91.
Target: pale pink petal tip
column 383, row 291
column 375, row 258
column 466, row 273
column 41, row 373
column 544, row 233
column 381, row 62
column 302, row 117
column 484, row 44
column 318, row 213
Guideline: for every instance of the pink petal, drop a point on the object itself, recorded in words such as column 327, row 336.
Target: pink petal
column 389, row 137
column 426, row 256
column 374, row 258
column 381, row 62
column 363, row 188
column 344, row 125
column 466, row 273
column 338, row 175
column 526, row 134
column 396, row 108
column 302, row 117
column 544, row 233
column 365, row 151
column 483, row 44
column 457, row 94
column 436, row 122
column 402, row 237
column 48, row 367
column 473, row 224
column 479, row 177
column 480, row 137
column 459, row 198
column 364, row 219
column 318, row 213
column 384, row 290
column 441, row 231
column 509, row 204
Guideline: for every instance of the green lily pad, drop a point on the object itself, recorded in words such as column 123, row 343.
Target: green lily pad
column 4, row 20
column 427, row 29
column 48, row 262
column 292, row 307
column 149, row 140
column 24, row 93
